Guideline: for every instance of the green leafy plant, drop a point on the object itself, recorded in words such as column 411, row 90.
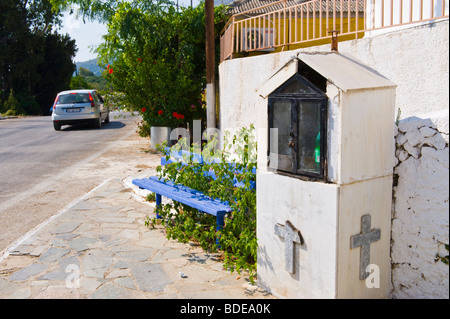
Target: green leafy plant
column 11, row 105
column 443, row 259
column 237, row 239
column 151, row 197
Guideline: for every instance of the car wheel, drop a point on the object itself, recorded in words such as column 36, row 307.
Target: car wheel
column 107, row 118
column 56, row 126
column 98, row 122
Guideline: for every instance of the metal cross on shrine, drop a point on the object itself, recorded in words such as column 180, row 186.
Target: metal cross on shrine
column 291, row 235
column 363, row 240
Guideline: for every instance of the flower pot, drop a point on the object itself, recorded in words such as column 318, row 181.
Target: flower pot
column 158, row 135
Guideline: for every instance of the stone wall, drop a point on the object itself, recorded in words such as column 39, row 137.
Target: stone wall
column 421, row 210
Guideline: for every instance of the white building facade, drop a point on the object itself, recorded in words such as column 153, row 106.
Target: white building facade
column 415, row 59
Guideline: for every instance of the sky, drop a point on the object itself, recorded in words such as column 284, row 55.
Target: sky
column 86, row 35
column 89, row 35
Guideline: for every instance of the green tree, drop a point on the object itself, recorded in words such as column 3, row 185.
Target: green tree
column 78, row 82
column 97, row 82
column 158, row 60
column 87, row 80
column 56, row 69
column 152, row 63
column 14, row 35
column 11, row 106
column 102, row 10
column 34, row 62
column 84, row 72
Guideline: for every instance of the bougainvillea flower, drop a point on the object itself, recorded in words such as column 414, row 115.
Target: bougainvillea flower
column 143, row 110
column 175, row 114
column 107, row 66
column 139, row 59
column 181, row 116
column 160, row 112
column 110, row 71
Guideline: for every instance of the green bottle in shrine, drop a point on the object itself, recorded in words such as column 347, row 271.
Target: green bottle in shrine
column 317, row 153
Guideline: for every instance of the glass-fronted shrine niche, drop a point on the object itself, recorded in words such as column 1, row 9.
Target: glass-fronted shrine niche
column 297, row 128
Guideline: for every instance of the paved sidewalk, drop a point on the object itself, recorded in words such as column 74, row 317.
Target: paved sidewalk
column 98, row 247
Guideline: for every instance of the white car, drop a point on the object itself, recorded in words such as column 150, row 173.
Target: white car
column 79, row 106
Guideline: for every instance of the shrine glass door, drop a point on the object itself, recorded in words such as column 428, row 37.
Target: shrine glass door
column 297, row 128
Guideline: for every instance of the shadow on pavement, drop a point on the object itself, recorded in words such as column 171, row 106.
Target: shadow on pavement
column 113, row 125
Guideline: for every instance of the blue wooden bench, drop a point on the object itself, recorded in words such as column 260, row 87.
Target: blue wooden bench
column 185, row 195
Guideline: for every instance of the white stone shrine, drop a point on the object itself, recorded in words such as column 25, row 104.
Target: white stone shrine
column 330, row 237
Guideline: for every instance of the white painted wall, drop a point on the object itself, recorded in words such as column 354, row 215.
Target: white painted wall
column 355, row 200
column 374, row 156
column 302, row 203
column 416, row 59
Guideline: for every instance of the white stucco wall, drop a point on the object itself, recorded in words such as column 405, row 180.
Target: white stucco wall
column 239, row 80
column 417, row 60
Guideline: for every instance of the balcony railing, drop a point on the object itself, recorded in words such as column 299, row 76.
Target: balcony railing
column 270, row 27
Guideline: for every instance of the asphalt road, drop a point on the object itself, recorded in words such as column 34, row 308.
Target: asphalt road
column 37, row 166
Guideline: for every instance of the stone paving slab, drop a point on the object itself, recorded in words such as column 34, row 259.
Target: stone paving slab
column 100, row 248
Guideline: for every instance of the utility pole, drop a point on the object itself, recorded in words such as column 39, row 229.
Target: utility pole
column 210, row 65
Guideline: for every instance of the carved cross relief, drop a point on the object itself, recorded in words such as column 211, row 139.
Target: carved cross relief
column 291, row 235
column 363, row 240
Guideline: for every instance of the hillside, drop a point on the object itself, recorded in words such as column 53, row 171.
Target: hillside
column 91, row 65
column 88, row 76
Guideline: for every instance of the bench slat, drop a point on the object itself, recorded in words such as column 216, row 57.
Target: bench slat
column 187, row 189
column 184, row 195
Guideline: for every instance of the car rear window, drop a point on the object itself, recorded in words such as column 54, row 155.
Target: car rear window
column 73, row 98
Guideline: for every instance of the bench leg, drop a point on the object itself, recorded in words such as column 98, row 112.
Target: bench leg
column 158, row 205
column 220, row 223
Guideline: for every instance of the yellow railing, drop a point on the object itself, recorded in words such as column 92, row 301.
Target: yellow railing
column 269, row 28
